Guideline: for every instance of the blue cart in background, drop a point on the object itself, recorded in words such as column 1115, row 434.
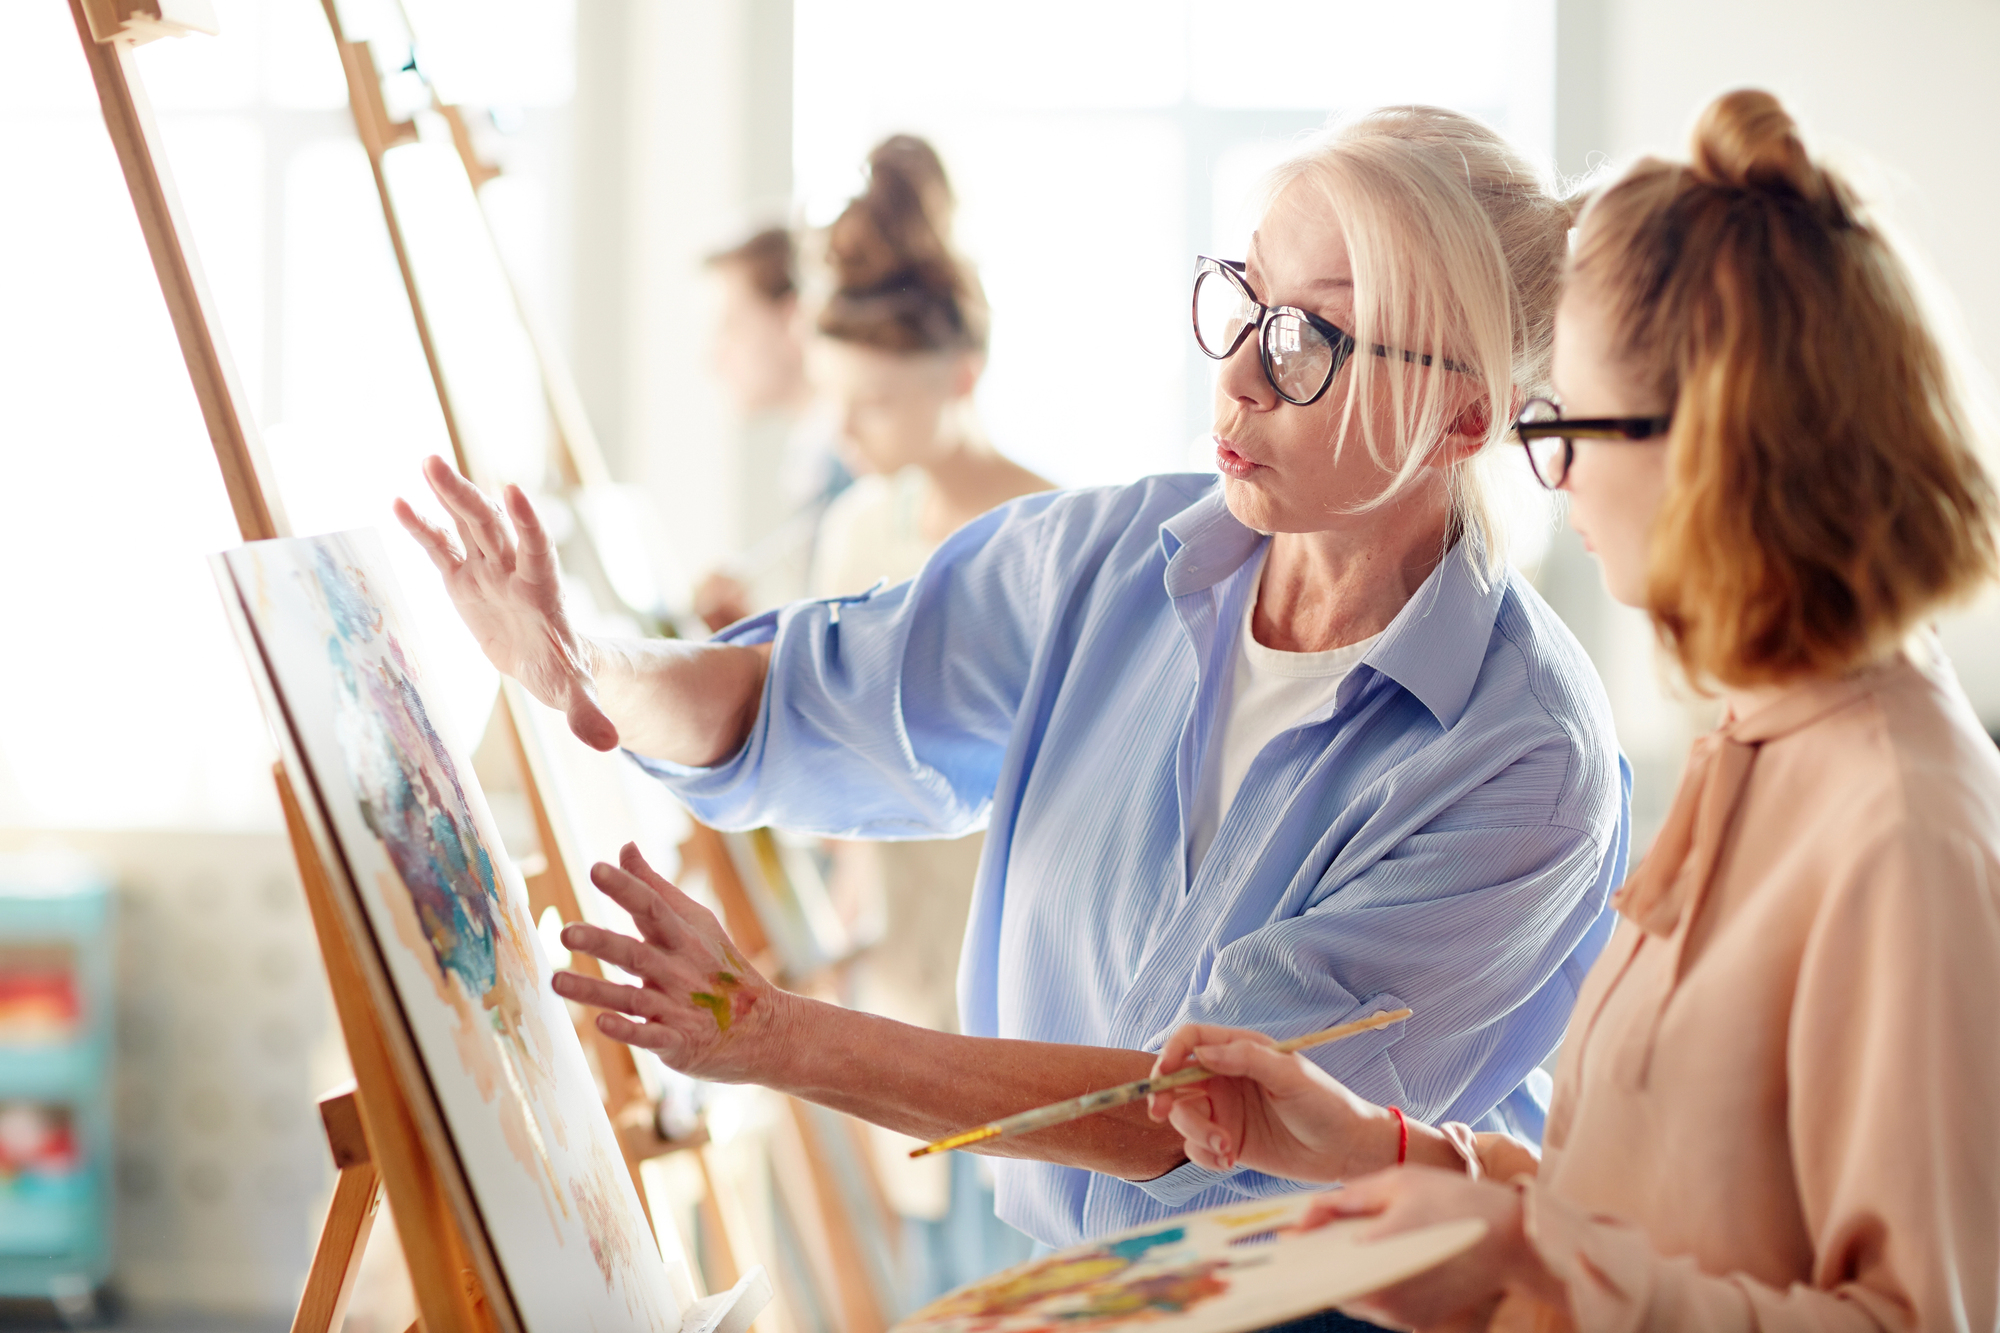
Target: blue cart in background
column 56, row 966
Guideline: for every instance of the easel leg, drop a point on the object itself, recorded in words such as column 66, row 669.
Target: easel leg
column 722, row 1267
column 835, row 1252
column 357, row 1197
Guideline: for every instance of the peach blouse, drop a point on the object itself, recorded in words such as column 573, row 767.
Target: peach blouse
column 1779, row 1104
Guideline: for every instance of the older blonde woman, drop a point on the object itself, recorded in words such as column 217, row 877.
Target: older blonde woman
column 1776, row 1109
column 1270, row 748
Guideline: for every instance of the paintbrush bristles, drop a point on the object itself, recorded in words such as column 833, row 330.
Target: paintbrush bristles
column 1044, row 1117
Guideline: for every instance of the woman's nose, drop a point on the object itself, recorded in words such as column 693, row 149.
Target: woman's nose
column 1242, row 377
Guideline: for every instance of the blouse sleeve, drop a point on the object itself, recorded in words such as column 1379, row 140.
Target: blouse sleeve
column 1896, row 1076
column 886, row 714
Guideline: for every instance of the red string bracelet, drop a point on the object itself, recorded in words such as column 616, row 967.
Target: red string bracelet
column 1402, row 1136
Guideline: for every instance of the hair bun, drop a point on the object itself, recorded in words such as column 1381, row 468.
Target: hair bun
column 897, row 283
column 900, row 224
column 1746, row 140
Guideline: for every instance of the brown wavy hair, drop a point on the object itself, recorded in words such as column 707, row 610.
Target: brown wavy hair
column 1823, row 496
column 897, row 284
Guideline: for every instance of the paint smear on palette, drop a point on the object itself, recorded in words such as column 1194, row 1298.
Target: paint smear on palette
column 1264, row 1237
column 450, row 912
column 1250, row 1217
column 1079, row 1290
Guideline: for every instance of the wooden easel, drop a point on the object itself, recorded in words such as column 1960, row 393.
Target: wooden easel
column 552, row 880
column 840, row 1268
column 454, row 1283
column 384, row 1131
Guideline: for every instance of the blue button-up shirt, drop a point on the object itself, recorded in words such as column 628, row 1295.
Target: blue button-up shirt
column 1444, row 835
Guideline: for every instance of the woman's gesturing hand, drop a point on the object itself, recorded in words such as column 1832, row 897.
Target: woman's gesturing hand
column 699, row 1006
column 509, row 593
column 1271, row 1112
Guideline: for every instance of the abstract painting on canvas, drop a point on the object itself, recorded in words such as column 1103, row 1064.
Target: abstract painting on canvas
column 449, row 915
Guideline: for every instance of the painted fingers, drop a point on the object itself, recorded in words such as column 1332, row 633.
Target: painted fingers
column 639, row 1001
column 670, row 924
column 655, row 1021
column 669, row 1043
column 633, row 862
column 646, row 961
column 658, row 924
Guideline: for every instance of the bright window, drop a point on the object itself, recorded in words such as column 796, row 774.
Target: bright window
column 127, row 705
column 1096, row 147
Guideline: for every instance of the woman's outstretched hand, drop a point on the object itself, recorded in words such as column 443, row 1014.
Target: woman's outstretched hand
column 509, row 593
column 1268, row 1111
column 699, row 1006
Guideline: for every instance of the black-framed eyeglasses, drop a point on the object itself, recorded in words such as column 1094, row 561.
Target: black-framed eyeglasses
column 1300, row 352
column 1550, row 437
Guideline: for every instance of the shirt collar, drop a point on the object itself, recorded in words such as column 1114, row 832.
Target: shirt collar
column 1205, row 544
column 1435, row 646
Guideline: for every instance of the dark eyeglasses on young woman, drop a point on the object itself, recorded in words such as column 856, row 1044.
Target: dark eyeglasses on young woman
column 1550, row 437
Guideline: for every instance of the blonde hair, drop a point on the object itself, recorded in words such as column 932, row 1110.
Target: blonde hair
column 1823, row 491
column 1457, row 244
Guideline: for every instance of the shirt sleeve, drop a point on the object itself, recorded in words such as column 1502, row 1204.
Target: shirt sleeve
column 1483, row 931
column 1897, row 1078
column 886, row 714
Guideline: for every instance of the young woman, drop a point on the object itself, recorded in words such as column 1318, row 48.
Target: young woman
column 1776, row 1107
column 1271, row 748
column 902, row 342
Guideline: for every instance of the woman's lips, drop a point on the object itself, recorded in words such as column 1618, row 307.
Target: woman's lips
column 1232, row 464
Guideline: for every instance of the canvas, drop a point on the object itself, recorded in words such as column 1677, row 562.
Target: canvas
column 338, row 670
column 1241, row 1266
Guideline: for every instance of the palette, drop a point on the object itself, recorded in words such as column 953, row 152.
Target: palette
column 1238, row 1267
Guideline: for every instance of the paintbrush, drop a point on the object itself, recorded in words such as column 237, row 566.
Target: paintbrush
column 1092, row 1102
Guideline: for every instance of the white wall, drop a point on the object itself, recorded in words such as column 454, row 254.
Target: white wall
column 1909, row 93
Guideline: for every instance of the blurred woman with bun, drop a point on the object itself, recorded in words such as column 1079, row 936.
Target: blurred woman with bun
column 902, row 342
column 1777, row 1104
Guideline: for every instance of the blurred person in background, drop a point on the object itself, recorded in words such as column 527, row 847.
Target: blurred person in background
column 1776, row 1106
column 757, row 350
column 900, row 343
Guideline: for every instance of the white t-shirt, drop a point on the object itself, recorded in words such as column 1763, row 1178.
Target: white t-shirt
column 1269, row 692
column 873, row 530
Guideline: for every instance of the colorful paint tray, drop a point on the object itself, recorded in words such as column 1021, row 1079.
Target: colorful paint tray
column 1243, row 1266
